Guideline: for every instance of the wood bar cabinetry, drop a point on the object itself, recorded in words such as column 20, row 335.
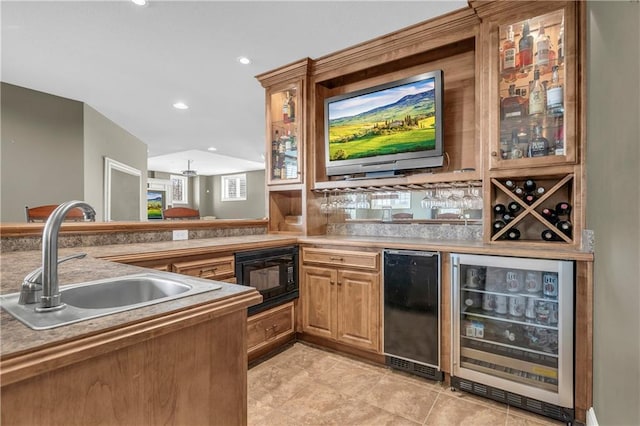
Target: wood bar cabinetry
column 340, row 296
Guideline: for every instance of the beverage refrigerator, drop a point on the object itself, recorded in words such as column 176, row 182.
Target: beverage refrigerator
column 512, row 330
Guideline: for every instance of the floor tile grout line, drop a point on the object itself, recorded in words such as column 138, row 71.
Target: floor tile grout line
column 435, row 401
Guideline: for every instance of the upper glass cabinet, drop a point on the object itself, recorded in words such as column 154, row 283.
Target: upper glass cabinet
column 284, row 159
column 533, row 73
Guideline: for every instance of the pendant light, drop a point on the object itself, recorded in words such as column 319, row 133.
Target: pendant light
column 189, row 172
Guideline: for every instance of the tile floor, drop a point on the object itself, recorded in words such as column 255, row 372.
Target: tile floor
column 305, row 385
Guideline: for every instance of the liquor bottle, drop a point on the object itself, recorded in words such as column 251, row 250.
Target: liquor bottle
column 529, row 199
column 561, row 43
column 513, row 234
column 563, row 208
column 511, row 107
column 537, row 94
column 509, row 56
column 514, row 207
column 525, row 46
column 565, row 227
column 550, row 215
column 549, row 235
column 558, row 135
column 543, row 45
column 555, row 96
column 516, row 151
column 275, row 144
column 499, row 209
column 285, row 109
column 529, row 185
column 292, row 107
column 539, row 145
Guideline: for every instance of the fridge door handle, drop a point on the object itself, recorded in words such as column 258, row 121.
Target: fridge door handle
column 453, row 288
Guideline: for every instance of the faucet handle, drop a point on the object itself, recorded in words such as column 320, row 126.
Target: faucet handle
column 31, row 289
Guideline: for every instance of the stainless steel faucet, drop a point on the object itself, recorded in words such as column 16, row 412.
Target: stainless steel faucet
column 48, row 273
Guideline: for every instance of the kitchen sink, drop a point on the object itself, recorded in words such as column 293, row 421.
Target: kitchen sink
column 104, row 297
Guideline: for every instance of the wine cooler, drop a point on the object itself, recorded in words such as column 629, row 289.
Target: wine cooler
column 512, row 331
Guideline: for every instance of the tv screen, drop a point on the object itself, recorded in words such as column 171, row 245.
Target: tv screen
column 155, row 204
column 393, row 126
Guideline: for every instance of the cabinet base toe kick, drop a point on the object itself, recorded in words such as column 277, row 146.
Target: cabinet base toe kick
column 564, row 414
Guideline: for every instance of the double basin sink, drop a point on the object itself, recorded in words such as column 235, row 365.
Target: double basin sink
column 104, row 297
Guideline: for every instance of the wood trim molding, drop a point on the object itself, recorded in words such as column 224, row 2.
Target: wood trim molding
column 31, row 229
column 285, row 73
column 22, row 366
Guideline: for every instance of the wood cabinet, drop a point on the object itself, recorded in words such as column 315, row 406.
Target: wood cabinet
column 286, row 89
column 340, row 296
column 270, row 329
column 220, row 269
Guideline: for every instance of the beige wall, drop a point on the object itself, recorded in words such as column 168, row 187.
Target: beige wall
column 253, row 208
column 42, row 151
column 104, row 138
column 613, row 210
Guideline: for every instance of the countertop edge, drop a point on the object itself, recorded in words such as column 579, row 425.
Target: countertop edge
column 450, row 246
column 23, row 365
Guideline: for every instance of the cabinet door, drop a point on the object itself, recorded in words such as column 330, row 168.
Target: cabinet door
column 359, row 309
column 284, row 118
column 535, row 87
column 317, row 294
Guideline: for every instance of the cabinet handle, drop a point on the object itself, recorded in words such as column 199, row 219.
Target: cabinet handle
column 274, row 327
column 339, row 282
column 336, row 258
column 332, row 282
column 494, row 154
column 204, row 271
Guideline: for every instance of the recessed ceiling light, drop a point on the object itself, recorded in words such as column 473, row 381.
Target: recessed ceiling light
column 140, row 2
column 244, row 60
column 212, row 148
column 180, row 105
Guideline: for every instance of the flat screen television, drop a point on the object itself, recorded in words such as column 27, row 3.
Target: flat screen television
column 386, row 128
column 155, row 204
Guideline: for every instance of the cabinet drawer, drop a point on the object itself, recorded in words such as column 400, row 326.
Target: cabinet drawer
column 355, row 259
column 212, row 269
column 268, row 326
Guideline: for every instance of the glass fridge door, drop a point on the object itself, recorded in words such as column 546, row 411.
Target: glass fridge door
column 515, row 325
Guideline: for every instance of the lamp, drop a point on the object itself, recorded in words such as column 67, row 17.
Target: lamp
column 189, row 172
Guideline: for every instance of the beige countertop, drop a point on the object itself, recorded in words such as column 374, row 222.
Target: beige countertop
column 17, row 338
column 14, row 266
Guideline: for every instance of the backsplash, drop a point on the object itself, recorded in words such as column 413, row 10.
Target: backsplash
column 8, row 244
column 408, row 230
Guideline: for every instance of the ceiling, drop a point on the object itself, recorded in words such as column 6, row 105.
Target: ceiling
column 133, row 63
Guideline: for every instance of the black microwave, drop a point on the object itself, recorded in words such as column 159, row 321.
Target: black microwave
column 271, row 271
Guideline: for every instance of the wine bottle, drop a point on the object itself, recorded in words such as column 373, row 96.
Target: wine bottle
column 529, row 185
column 510, row 184
column 514, row 207
column 565, row 227
column 563, row 209
column 549, row 235
column 539, row 191
column 529, row 199
column 519, row 191
column 508, row 217
column 513, row 234
column 550, row 215
column 498, row 225
column 499, row 209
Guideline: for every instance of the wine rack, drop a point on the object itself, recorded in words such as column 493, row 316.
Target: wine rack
column 529, row 220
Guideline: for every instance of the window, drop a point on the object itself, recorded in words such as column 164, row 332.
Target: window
column 180, row 189
column 234, row 187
